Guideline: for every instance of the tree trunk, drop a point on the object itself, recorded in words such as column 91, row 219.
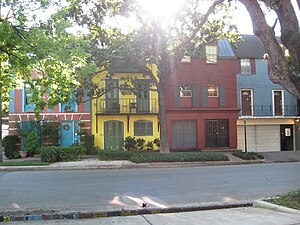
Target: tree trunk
column 164, row 144
column 280, row 73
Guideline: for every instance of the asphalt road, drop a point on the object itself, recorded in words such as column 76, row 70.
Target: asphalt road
column 127, row 188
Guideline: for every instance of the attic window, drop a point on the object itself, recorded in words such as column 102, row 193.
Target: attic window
column 211, row 54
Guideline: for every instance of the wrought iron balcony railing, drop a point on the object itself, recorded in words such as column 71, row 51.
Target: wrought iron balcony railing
column 126, row 105
column 269, row 110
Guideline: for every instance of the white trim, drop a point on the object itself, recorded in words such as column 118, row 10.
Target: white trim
column 282, row 102
column 241, row 101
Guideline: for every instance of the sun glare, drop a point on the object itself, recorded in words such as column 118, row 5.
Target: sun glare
column 161, row 9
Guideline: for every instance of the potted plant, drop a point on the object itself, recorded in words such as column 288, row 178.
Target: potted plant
column 23, row 153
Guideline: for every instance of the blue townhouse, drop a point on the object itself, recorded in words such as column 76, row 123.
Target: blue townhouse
column 269, row 115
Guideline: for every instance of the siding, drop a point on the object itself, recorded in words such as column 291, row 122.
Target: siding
column 260, row 138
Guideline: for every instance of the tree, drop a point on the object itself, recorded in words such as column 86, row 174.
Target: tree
column 284, row 55
column 29, row 43
column 162, row 45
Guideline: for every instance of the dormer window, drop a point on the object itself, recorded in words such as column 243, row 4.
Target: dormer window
column 211, row 54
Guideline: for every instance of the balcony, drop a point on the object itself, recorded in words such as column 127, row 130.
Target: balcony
column 269, row 110
column 127, row 106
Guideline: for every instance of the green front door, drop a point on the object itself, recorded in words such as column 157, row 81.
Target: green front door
column 113, row 135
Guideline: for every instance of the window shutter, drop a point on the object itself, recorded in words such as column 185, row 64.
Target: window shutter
column 253, row 67
column 238, row 66
column 195, row 95
column 176, row 96
column 222, row 95
column 204, row 96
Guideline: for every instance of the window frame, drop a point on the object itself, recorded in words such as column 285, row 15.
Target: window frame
column 185, row 91
column 247, row 68
column 215, row 91
column 211, row 52
column 147, row 129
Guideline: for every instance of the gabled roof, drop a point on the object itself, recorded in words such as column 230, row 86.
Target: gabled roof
column 250, row 47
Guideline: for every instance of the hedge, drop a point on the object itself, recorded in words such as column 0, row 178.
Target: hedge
column 248, row 155
column 115, row 154
column 178, row 157
column 52, row 154
column 143, row 157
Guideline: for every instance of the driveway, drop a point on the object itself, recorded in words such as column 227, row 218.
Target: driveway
column 284, row 156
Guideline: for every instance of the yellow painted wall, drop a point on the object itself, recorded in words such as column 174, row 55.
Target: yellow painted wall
column 98, row 121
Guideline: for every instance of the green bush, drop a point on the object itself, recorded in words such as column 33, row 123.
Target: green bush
column 32, row 144
column 248, row 155
column 130, row 143
column 115, row 154
column 52, row 154
column 10, row 149
column 89, row 144
column 178, row 157
column 140, row 142
column 143, row 157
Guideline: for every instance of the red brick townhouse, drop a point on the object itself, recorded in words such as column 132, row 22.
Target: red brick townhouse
column 70, row 119
column 202, row 101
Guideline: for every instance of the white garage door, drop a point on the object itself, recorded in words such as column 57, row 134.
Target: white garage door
column 260, row 138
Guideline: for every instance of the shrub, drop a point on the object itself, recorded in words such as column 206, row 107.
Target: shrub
column 89, row 144
column 150, row 146
column 140, row 142
column 248, row 155
column 52, row 154
column 10, row 148
column 115, row 154
column 130, row 143
column 178, row 157
column 31, row 143
column 156, row 141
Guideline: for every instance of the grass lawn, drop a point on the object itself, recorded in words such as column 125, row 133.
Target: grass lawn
column 23, row 164
column 290, row 200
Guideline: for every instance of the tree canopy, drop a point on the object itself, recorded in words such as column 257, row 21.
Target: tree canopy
column 154, row 42
column 284, row 52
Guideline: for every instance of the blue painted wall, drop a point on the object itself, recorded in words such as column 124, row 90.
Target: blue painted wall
column 261, row 86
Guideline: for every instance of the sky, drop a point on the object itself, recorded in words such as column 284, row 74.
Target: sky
column 164, row 8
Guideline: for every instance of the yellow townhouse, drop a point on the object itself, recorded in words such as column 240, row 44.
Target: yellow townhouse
column 129, row 107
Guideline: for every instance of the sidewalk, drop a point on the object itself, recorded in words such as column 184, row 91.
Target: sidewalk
column 255, row 215
column 94, row 163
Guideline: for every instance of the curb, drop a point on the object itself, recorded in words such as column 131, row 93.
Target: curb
column 31, row 216
column 268, row 205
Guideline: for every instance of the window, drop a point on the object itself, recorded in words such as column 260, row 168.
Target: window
column 27, row 99
column 186, row 59
column 212, row 91
column 245, row 66
column 185, row 91
column 211, row 54
column 143, row 128
column 70, row 106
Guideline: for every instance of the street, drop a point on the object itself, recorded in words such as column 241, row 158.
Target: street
column 128, row 188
